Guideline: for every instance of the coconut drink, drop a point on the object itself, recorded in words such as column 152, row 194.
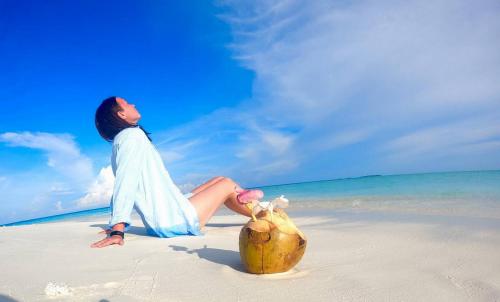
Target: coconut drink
column 270, row 242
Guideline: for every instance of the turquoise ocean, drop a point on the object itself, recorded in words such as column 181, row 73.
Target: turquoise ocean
column 468, row 194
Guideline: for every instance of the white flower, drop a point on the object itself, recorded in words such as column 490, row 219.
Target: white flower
column 280, row 202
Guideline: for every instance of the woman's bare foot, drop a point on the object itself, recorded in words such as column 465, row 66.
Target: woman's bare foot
column 246, row 196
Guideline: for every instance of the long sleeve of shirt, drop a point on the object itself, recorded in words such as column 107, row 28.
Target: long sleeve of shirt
column 143, row 183
column 129, row 164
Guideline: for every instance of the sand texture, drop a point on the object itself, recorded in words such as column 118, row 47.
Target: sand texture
column 350, row 256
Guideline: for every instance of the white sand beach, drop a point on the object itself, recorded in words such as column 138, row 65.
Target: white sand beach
column 351, row 256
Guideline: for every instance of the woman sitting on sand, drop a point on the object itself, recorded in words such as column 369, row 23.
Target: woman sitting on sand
column 143, row 183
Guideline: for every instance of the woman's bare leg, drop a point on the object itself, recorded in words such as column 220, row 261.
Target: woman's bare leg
column 229, row 203
column 207, row 201
column 237, row 207
column 207, row 184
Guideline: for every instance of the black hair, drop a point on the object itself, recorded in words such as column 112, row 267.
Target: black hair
column 107, row 121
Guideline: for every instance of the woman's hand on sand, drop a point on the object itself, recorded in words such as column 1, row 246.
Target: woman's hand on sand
column 108, row 241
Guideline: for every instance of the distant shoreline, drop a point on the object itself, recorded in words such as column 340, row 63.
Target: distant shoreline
column 356, row 191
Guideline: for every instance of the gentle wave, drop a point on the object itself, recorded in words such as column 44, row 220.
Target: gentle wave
column 473, row 194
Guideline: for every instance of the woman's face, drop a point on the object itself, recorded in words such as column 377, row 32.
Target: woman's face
column 128, row 112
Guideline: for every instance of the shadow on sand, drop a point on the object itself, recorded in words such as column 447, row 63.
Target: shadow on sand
column 219, row 256
column 4, row 298
column 141, row 231
column 223, row 225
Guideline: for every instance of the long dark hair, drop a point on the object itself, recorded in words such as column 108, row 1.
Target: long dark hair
column 107, row 121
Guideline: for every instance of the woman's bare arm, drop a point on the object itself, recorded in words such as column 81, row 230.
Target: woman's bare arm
column 113, row 239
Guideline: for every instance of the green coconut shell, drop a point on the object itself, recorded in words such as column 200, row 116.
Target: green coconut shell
column 271, row 244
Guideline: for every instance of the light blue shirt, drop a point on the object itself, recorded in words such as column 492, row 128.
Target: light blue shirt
column 142, row 182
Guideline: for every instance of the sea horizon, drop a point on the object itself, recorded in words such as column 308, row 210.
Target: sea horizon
column 423, row 192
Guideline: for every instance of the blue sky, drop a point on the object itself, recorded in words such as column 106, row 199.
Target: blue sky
column 265, row 92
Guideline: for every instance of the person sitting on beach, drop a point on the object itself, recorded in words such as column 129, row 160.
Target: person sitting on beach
column 143, row 183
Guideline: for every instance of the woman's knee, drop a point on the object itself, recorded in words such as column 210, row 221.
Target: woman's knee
column 217, row 178
column 228, row 181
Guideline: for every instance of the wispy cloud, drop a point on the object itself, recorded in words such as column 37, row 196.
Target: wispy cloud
column 172, row 151
column 34, row 193
column 63, row 154
column 471, row 140
column 340, row 89
column 3, row 179
column 49, row 189
column 382, row 81
column 100, row 191
column 230, row 141
column 371, row 71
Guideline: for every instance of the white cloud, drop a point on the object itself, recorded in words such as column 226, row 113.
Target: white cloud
column 100, row 191
column 63, row 154
column 171, row 156
column 337, row 78
column 341, row 88
column 35, row 193
column 369, row 72
column 174, row 150
column 39, row 191
column 46, row 193
column 257, row 142
column 32, row 194
column 311, row 62
column 471, row 136
column 230, row 141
